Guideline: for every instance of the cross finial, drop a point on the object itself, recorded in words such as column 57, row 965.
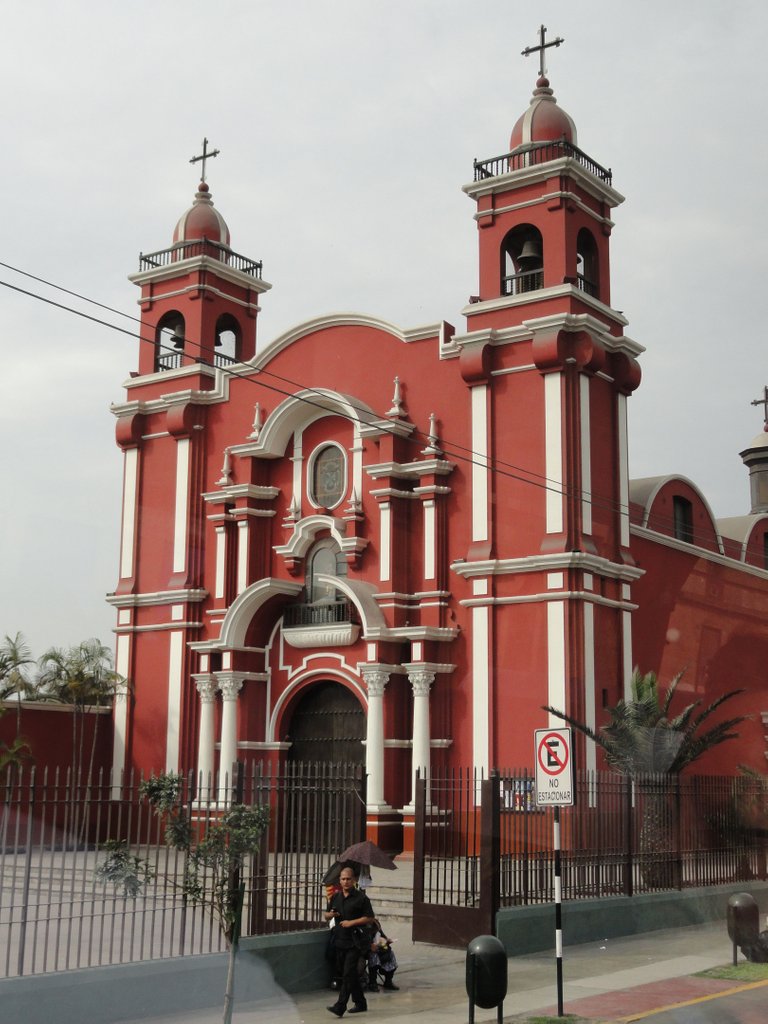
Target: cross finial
column 764, row 402
column 205, row 155
column 541, row 48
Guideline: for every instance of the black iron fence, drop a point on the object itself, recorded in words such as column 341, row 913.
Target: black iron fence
column 538, row 153
column 56, row 913
column 200, row 247
column 482, row 843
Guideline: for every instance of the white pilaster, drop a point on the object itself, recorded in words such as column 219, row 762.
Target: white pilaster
column 430, row 540
column 130, row 485
column 173, row 722
column 120, row 714
column 182, row 505
column 556, row 659
column 376, row 679
column 626, row 643
column 553, row 441
column 590, row 703
column 480, row 462
column 421, row 681
column 481, row 684
column 230, row 684
column 242, row 554
column 221, row 559
column 206, row 745
column 385, row 516
column 586, row 455
column 623, row 459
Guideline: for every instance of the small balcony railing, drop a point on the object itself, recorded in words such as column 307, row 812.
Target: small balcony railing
column 585, row 285
column 168, row 360
column 526, row 281
column 200, row 247
column 540, row 153
column 328, row 613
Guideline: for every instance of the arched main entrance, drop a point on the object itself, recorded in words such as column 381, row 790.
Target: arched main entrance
column 327, row 724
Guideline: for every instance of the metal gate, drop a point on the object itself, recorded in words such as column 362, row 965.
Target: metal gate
column 455, row 884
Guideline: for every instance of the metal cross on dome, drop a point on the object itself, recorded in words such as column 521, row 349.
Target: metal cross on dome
column 541, row 48
column 764, row 402
column 205, row 155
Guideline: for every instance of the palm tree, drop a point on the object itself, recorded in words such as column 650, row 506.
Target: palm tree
column 640, row 737
column 642, row 742
column 83, row 677
column 15, row 657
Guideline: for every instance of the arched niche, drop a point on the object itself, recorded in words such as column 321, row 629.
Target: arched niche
column 522, row 260
column 169, row 341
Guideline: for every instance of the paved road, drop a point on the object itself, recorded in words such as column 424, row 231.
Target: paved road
column 743, row 1005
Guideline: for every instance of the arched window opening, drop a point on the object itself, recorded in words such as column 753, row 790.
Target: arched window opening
column 682, row 514
column 227, row 342
column 587, row 276
column 522, row 261
column 169, row 341
column 323, row 604
column 327, row 476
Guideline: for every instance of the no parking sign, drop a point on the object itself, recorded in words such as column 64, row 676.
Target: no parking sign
column 554, row 764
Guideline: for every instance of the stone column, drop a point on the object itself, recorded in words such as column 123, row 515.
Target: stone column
column 376, row 679
column 421, row 680
column 230, row 684
column 206, row 745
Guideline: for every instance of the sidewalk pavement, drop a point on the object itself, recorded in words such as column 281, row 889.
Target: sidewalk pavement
column 606, row 980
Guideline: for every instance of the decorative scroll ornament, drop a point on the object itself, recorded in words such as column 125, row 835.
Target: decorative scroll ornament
column 421, row 681
column 376, row 680
column 230, row 686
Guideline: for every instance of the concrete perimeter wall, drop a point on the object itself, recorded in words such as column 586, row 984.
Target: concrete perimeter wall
column 267, row 966
column 532, row 929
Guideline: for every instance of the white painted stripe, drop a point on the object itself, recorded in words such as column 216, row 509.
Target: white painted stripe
column 120, row 715
column 556, row 659
column 298, row 462
column 242, row 555
column 586, row 455
column 626, row 642
column 429, row 540
column 480, row 462
column 623, row 456
column 385, row 514
column 480, row 688
column 590, row 707
column 173, row 726
column 553, row 419
column 130, row 486
column 182, row 500
column 221, row 560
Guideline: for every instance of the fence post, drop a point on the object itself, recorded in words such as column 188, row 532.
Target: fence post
column 490, row 850
column 629, row 867
column 419, row 826
column 27, row 869
column 678, row 836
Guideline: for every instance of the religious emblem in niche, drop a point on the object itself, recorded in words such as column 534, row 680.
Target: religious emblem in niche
column 328, row 476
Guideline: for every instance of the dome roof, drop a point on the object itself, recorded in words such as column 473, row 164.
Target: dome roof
column 543, row 121
column 201, row 220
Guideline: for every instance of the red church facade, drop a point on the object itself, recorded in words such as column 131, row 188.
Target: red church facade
column 400, row 558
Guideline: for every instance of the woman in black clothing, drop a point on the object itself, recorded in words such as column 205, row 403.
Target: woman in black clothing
column 352, row 912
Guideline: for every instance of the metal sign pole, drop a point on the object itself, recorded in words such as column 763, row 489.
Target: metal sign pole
column 558, row 912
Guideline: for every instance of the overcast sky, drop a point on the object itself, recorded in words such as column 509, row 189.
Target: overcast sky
column 346, row 130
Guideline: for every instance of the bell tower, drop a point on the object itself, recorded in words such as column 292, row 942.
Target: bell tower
column 549, row 370
column 199, row 298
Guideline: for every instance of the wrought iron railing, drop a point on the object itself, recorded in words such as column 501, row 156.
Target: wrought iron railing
column 168, row 360
column 539, row 153
column 58, row 913
column 326, row 613
column 200, row 247
column 526, row 281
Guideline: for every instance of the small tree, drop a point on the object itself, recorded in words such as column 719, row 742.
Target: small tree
column 15, row 681
column 215, row 859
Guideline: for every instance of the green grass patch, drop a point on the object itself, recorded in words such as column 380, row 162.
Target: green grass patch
column 743, row 971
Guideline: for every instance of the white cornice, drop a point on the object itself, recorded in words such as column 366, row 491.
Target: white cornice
column 156, row 597
column 553, row 292
column 549, row 563
column 548, row 596
column 694, row 551
column 255, row 491
column 200, row 263
column 601, row 190
column 218, row 393
column 410, row 470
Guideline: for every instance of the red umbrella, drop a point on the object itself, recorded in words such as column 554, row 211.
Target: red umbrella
column 368, row 853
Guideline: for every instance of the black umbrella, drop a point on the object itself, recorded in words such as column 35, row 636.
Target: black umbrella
column 368, row 853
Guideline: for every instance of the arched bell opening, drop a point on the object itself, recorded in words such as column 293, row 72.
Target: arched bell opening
column 587, row 268
column 227, row 342
column 169, row 341
column 522, row 260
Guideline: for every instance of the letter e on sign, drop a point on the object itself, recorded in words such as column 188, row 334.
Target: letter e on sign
column 554, row 767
